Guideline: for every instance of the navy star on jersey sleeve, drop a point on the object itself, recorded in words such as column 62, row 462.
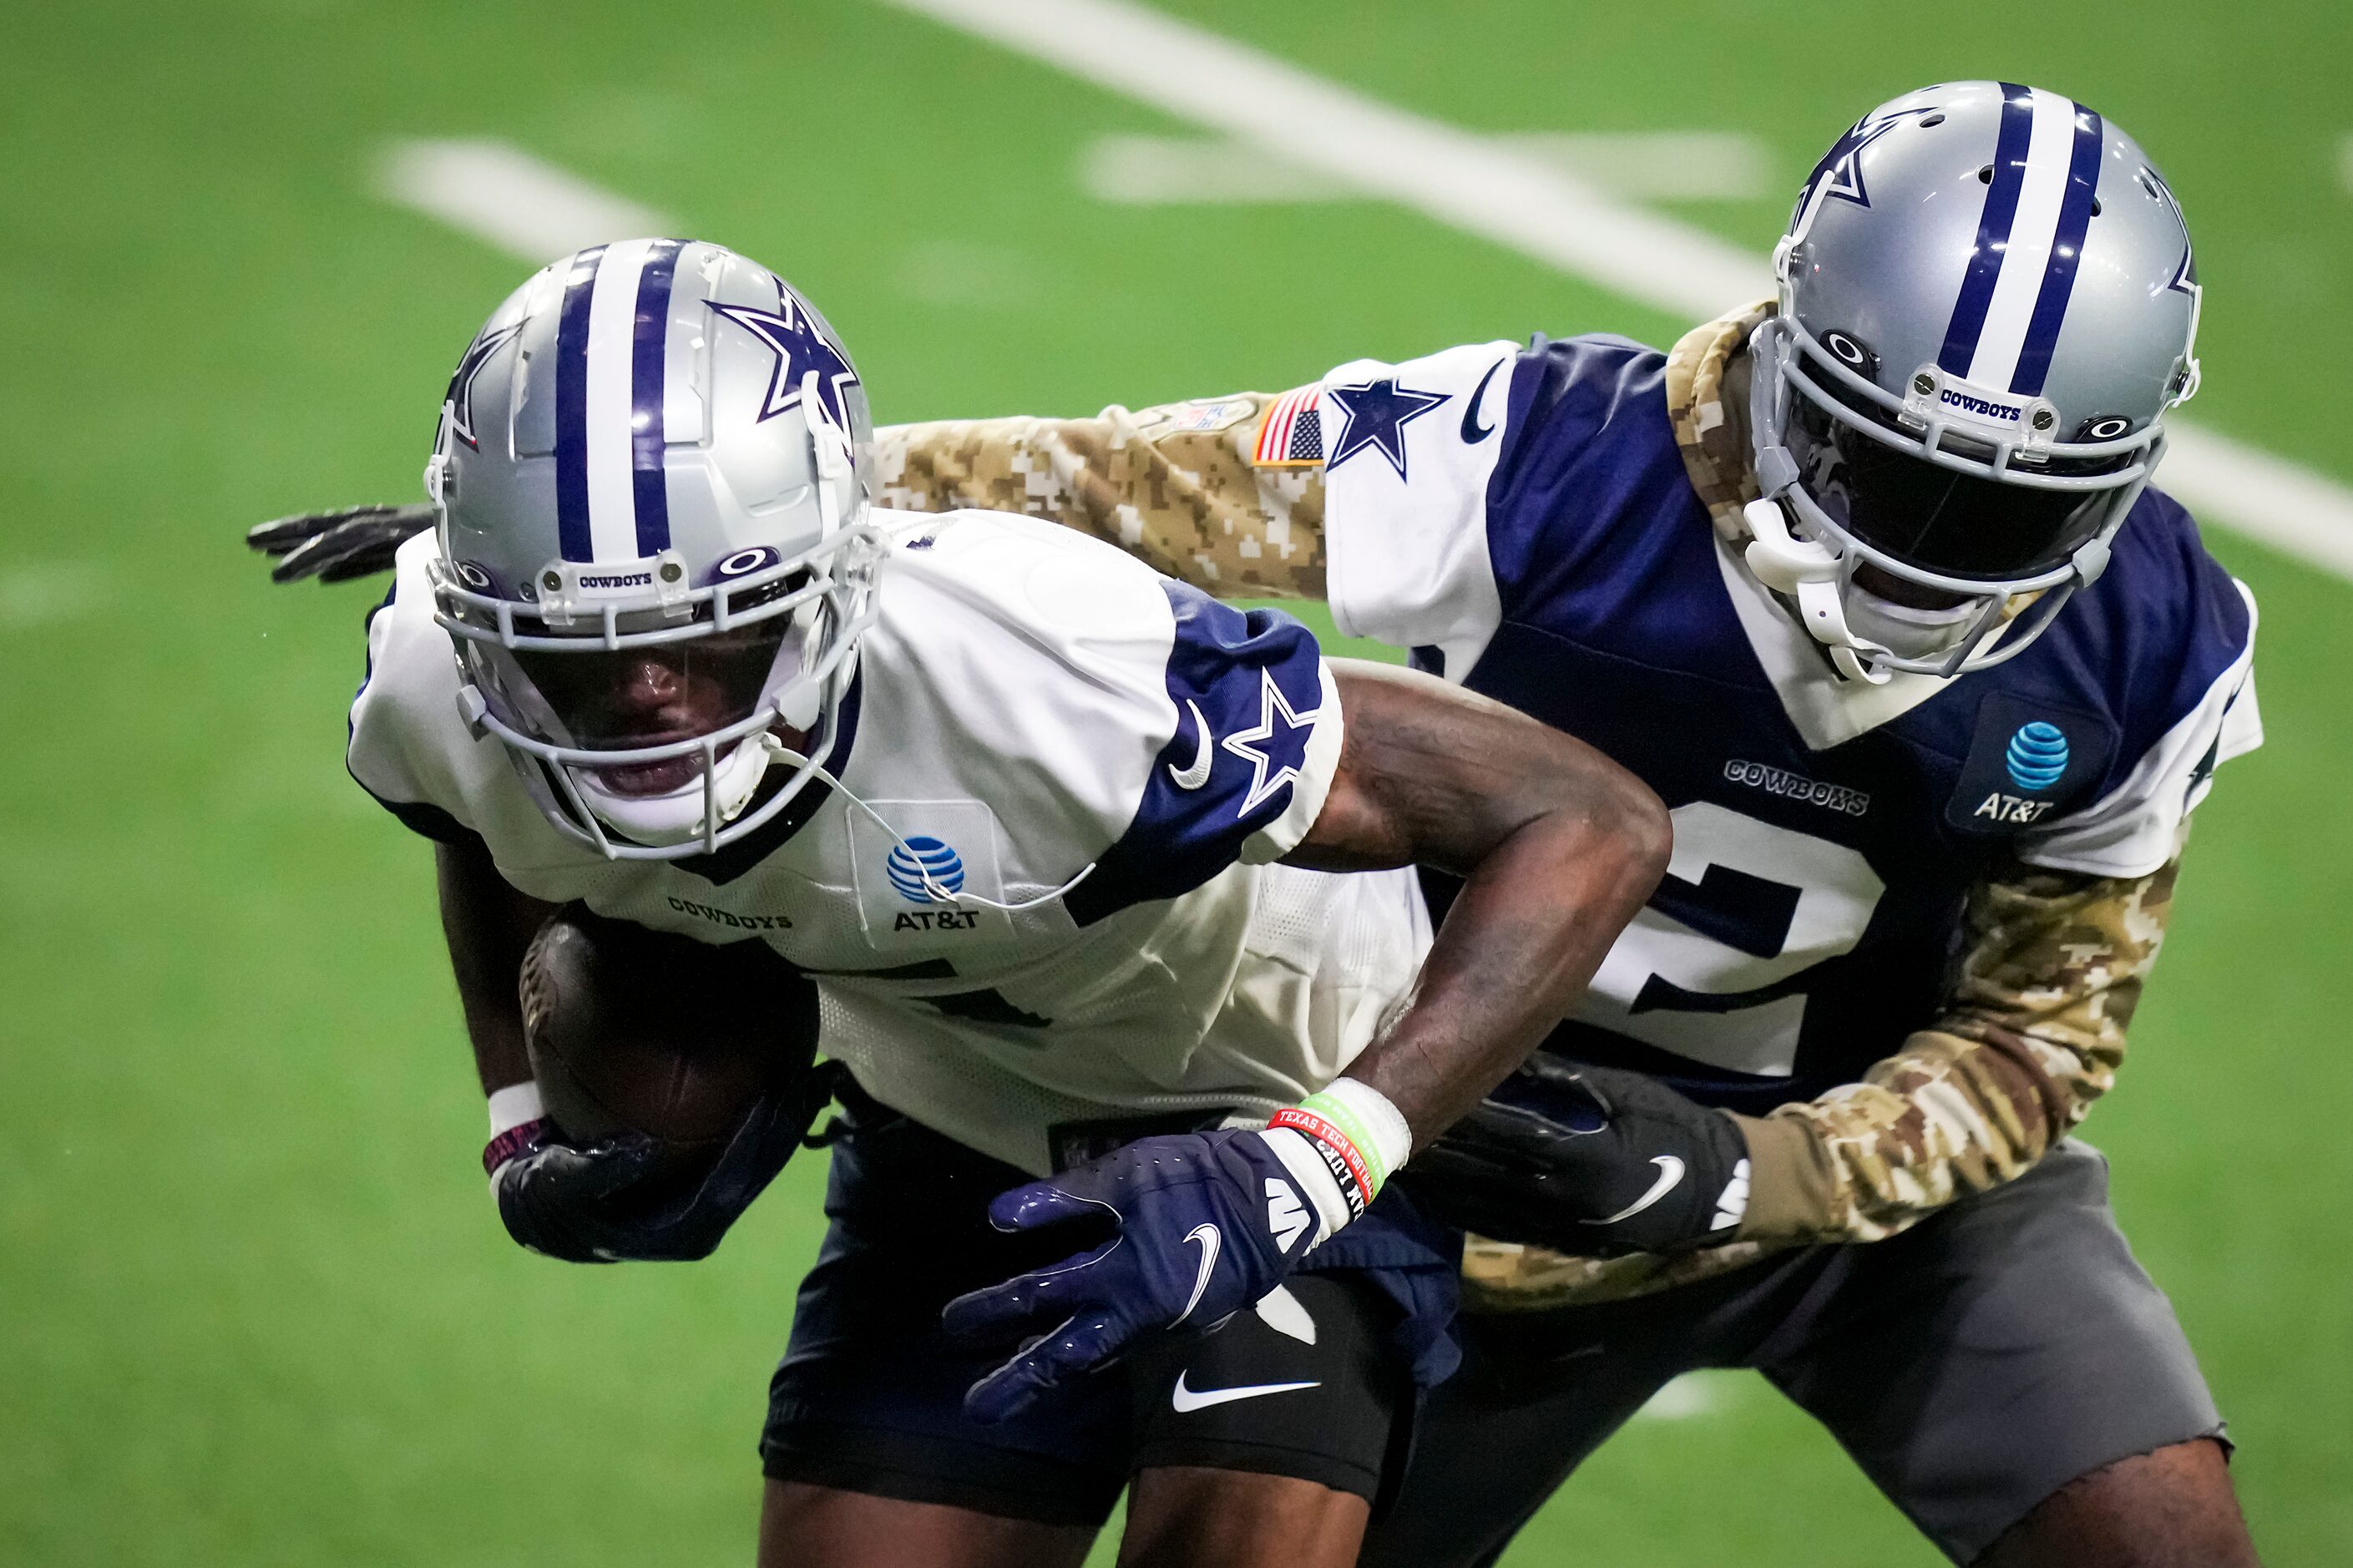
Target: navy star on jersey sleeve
column 1256, row 743
column 1476, row 492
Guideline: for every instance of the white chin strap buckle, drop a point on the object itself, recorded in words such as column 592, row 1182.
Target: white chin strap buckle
column 1780, row 558
column 1807, row 571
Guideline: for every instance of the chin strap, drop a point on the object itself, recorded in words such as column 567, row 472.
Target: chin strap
column 1807, row 571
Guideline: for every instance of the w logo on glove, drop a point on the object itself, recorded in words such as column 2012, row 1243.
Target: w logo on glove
column 1189, row 1248
column 1286, row 1216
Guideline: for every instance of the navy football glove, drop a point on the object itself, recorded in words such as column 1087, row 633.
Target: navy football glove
column 1592, row 1161
column 336, row 546
column 1199, row 1225
column 627, row 1198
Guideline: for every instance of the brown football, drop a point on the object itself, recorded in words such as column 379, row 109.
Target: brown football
column 644, row 1030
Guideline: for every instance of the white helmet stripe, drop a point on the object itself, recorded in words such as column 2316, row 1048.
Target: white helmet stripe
column 610, row 403
column 2042, row 192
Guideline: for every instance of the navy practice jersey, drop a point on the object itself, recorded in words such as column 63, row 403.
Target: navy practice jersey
column 1523, row 520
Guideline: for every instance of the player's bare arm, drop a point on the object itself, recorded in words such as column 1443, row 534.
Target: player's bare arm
column 489, row 925
column 1558, row 846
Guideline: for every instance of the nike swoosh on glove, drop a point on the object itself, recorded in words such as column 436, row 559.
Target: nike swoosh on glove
column 1592, row 1161
column 624, row 1199
column 1201, row 1225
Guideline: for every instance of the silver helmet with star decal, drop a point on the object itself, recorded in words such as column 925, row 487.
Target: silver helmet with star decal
column 652, row 479
column 1987, row 304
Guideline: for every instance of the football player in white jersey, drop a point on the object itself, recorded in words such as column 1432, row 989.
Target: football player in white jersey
column 1059, row 840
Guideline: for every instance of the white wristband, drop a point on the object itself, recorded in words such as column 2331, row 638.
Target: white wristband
column 1382, row 1121
column 512, row 1106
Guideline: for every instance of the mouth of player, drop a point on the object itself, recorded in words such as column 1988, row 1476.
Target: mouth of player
column 636, row 701
column 645, row 780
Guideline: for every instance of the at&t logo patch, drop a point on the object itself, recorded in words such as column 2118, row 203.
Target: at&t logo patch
column 2036, row 756
column 2028, row 762
column 920, row 856
column 926, row 871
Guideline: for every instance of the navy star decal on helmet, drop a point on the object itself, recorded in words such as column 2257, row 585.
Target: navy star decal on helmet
column 1963, row 393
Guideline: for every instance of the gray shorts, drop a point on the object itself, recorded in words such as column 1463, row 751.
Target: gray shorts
column 1973, row 1367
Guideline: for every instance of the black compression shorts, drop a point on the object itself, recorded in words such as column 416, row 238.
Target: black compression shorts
column 870, row 1395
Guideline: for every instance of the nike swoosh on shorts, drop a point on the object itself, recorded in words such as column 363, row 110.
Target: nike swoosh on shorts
column 1186, row 1399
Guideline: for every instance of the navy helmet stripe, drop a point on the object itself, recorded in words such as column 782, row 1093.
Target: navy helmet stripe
column 2066, row 256
column 1993, row 231
column 571, row 408
column 648, row 350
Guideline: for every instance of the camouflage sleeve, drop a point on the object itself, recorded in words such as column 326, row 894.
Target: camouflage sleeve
column 1175, row 487
column 2032, row 1035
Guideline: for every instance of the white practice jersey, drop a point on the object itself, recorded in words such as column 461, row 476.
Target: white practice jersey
column 1036, row 716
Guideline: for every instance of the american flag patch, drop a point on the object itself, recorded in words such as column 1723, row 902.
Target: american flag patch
column 1291, row 434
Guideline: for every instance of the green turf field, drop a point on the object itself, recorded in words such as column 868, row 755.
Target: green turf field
column 254, row 1307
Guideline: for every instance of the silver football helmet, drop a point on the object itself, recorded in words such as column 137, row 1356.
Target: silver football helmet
column 1988, row 302
column 653, row 480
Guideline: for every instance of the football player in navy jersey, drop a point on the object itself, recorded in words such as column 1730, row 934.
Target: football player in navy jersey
column 1869, row 582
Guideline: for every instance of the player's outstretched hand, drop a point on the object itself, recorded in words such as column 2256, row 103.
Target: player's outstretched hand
column 623, row 1198
column 1592, row 1161
column 1198, row 1225
column 336, row 546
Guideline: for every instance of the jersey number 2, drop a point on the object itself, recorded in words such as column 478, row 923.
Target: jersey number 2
column 1714, row 967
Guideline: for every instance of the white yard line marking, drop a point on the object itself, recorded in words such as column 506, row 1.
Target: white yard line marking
column 1667, row 166
column 1462, row 179
column 2261, row 495
column 1506, row 195
column 508, row 199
